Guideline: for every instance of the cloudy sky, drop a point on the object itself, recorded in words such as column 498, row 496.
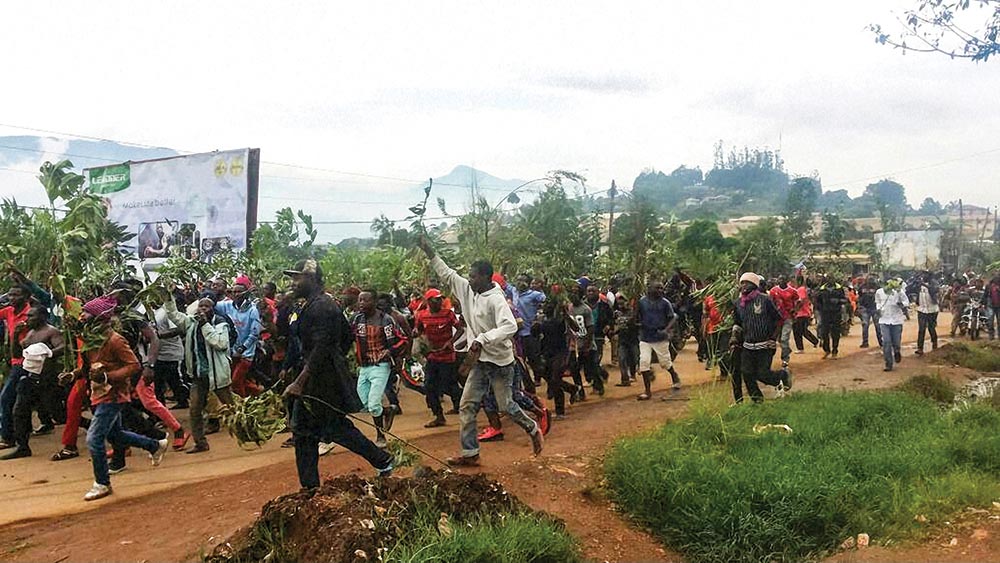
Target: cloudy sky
column 408, row 90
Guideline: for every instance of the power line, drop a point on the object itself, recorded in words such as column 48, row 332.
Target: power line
column 914, row 169
column 270, row 162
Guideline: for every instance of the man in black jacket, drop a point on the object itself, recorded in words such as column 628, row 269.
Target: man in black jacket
column 830, row 301
column 325, row 338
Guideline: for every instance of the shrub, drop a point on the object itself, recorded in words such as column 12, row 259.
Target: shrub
column 713, row 488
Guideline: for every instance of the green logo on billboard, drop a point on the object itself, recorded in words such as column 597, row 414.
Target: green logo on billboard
column 110, row 179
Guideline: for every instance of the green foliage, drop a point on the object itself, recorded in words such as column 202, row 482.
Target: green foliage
column 766, row 247
column 277, row 246
column 514, row 538
column 717, row 490
column 755, row 171
column 666, row 190
column 380, row 268
column 834, row 232
column 702, row 248
column 890, row 202
column 933, row 387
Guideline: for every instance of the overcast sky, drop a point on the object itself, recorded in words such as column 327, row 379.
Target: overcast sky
column 410, row 89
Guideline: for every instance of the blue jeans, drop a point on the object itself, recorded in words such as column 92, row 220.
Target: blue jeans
column 371, row 385
column 106, row 426
column 892, row 340
column 315, row 422
column 8, row 396
column 869, row 318
column 485, row 376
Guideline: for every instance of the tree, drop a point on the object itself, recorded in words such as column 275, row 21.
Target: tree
column 834, row 232
column 930, row 207
column 768, row 250
column 890, row 201
column 756, row 171
column 666, row 189
column 948, row 27
column 799, row 206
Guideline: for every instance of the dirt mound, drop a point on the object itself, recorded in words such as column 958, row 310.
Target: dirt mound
column 982, row 355
column 349, row 518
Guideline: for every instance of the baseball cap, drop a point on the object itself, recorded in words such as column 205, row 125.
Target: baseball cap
column 307, row 266
column 432, row 293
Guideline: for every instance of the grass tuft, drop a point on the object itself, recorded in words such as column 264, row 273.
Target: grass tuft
column 933, row 387
column 716, row 490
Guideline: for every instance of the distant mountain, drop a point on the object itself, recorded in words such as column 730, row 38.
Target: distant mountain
column 336, row 207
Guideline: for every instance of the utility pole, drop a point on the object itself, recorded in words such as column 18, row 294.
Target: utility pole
column 961, row 229
column 611, row 220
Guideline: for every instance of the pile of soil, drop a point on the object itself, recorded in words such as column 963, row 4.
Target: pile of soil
column 981, row 355
column 350, row 518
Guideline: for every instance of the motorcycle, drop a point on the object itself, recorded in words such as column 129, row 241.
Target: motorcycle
column 973, row 319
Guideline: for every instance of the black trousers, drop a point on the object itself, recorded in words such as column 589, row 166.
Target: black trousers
column 169, row 373
column 313, row 423
column 442, row 379
column 800, row 330
column 926, row 322
column 830, row 332
column 755, row 366
column 587, row 362
column 29, row 398
column 557, row 387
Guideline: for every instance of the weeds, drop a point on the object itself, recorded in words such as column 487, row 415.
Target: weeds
column 861, row 462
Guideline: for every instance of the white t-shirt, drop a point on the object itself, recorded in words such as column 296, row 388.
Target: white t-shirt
column 890, row 305
column 924, row 302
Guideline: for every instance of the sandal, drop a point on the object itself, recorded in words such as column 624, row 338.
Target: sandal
column 65, row 453
column 643, row 397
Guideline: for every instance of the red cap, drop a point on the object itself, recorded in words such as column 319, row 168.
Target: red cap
column 432, row 293
column 499, row 279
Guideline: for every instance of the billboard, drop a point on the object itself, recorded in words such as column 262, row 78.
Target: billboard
column 193, row 205
column 910, row 250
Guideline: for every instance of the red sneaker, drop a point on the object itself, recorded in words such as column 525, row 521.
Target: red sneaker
column 490, row 434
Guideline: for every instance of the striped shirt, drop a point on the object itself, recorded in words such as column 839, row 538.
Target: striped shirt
column 759, row 319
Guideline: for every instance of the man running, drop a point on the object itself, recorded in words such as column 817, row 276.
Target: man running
column 15, row 313
column 784, row 298
column 326, row 338
column 757, row 325
column 656, row 320
column 439, row 325
column 491, row 326
column 378, row 341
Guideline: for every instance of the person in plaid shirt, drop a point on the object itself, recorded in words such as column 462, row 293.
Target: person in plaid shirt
column 378, row 340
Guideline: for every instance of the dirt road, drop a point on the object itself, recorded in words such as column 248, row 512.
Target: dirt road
column 191, row 503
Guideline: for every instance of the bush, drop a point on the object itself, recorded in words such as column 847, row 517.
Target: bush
column 716, row 490
column 933, row 387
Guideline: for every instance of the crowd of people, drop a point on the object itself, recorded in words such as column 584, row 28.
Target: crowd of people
column 477, row 340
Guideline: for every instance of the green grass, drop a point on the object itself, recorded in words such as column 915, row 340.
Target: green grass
column 712, row 488
column 933, row 387
column 513, row 538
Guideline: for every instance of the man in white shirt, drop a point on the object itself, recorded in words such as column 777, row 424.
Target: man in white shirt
column 490, row 327
column 891, row 303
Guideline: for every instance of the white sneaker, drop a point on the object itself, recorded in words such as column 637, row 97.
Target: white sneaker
column 326, row 447
column 97, row 491
column 157, row 457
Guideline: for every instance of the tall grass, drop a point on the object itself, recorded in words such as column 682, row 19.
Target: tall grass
column 714, row 489
column 512, row 538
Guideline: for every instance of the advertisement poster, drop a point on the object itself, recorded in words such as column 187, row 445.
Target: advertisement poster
column 192, row 206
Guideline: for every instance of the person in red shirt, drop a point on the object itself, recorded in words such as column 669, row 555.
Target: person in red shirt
column 439, row 325
column 11, row 316
column 803, row 315
column 784, row 297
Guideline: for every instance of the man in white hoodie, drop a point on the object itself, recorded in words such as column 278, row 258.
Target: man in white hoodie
column 490, row 327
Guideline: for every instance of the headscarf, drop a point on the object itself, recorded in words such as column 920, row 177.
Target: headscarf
column 101, row 308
